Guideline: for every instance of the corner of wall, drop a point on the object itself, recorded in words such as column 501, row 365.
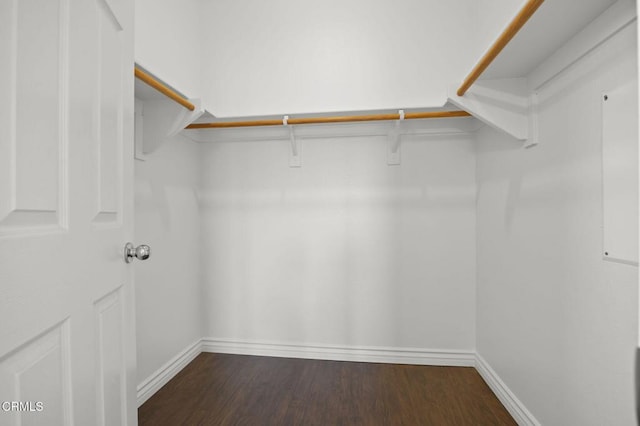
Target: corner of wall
column 515, row 407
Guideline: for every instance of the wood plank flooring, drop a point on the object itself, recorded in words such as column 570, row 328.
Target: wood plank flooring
column 217, row 389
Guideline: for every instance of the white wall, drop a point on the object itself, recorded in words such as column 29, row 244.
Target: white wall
column 291, row 56
column 346, row 250
column 167, row 42
column 168, row 292
column 556, row 321
column 493, row 16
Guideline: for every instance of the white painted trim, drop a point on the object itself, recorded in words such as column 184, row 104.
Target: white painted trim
column 387, row 355
column 160, row 377
column 515, row 407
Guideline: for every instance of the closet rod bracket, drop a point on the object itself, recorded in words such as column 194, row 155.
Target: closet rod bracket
column 393, row 144
column 295, row 157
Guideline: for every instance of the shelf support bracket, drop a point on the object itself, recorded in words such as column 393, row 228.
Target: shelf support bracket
column 169, row 119
column 503, row 104
column 186, row 117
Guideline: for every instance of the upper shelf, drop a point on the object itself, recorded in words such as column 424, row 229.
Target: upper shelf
column 555, row 37
column 172, row 110
column 145, row 81
column 161, row 87
column 553, row 24
column 501, row 97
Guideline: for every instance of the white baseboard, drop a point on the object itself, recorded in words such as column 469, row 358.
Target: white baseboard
column 160, row 377
column 342, row 353
column 515, row 407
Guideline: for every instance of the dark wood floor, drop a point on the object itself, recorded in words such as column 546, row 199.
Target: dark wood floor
column 218, row 389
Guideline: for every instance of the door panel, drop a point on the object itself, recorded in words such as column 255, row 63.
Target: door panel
column 39, row 371
column 109, row 125
column 32, row 193
column 66, row 150
column 111, row 373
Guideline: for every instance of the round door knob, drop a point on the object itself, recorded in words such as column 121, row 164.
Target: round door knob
column 142, row 252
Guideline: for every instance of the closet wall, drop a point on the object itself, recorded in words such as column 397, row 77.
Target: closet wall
column 556, row 322
column 168, row 42
column 498, row 250
column 291, row 57
column 168, row 286
column 168, row 291
column 346, row 250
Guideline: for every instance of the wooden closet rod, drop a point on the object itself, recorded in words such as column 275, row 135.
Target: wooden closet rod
column 163, row 88
column 516, row 24
column 336, row 119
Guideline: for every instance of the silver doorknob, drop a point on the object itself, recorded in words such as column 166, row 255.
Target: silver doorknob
column 142, row 252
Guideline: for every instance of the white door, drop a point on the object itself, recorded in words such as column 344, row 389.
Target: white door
column 67, row 340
